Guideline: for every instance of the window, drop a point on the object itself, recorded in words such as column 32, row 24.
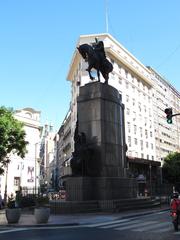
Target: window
column 16, row 181
column 127, row 85
column 120, row 80
column 134, row 116
column 150, row 114
column 141, row 132
column 126, row 73
column 127, row 111
column 133, row 100
column 133, row 89
column 132, row 78
column 141, row 143
column 119, row 68
column 127, row 98
column 28, row 115
column 135, row 129
column 129, row 141
column 146, row 133
column 129, row 127
column 145, row 108
column 135, row 141
column 145, row 121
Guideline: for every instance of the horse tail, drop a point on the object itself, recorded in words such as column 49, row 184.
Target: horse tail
column 108, row 67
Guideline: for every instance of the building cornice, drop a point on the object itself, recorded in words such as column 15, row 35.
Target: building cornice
column 164, row 81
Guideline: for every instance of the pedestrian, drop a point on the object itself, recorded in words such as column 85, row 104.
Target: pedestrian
column 1, row 201
column 18, row 198
column 175, row 207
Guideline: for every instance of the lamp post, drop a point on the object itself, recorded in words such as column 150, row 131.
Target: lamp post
column 5, row 190
column 150, row 180
column 35, row 166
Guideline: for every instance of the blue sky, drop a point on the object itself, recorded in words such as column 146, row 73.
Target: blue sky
column 38, row 38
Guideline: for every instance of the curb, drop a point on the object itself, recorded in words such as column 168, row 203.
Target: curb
column 145, row 213
column 78, row 224
column 38, row 225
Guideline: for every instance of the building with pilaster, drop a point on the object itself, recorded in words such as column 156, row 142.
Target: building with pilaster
column 24, row 172
column 167, row 136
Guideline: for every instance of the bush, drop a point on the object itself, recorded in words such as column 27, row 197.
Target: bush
column 42, row 201
column 11, row 204
column 27, row 201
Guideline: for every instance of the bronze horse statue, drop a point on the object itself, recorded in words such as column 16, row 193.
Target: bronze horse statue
column 96, row 59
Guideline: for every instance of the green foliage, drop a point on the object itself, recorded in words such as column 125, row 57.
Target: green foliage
column 171, row 168
column 11, row 202
column 27, row 201
column 12, row 137
column 42, row 201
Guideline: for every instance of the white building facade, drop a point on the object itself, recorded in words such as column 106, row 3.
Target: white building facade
column 24, row 172
column 48, row 162
column 167, row 136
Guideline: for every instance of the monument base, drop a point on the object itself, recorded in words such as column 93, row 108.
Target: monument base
column 100, row 188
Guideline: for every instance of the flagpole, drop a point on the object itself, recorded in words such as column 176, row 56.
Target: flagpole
column 106, row 7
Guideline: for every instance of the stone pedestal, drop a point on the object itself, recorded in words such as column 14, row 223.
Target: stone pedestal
column 102, row 188
column 100, row 114
column 101, row 118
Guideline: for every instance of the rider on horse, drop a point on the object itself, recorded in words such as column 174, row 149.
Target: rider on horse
column 99, row 49
column 96, row 57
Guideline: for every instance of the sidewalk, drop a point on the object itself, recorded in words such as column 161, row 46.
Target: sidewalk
column 28, row 220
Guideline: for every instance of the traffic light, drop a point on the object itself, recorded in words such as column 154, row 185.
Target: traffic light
column 168, row 112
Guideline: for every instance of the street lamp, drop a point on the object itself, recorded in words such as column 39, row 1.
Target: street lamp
column 35, row 165
column 150, row 180
column 5, row 190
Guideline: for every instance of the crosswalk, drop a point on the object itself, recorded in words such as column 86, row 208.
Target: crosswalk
column 137, row 225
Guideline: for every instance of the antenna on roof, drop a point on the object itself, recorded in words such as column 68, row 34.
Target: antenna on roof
column 106, row 11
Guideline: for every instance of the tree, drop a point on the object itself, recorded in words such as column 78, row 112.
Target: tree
column 171, row 168
column 12, row 137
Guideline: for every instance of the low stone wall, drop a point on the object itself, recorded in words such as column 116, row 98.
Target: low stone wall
column 117, row 205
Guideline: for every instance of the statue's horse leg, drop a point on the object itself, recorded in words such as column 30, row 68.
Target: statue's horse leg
column 105, row 76
column 106, row 79
column 89, row 71
column 98, row 74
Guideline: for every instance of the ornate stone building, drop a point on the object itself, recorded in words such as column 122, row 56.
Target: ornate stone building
column 25, row 172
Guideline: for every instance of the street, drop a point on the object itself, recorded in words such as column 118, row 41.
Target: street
column 156, row 226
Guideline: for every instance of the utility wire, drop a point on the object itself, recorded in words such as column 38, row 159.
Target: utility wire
column 169, row 56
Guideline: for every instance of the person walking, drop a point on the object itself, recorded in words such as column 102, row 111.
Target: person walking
column 175, row 209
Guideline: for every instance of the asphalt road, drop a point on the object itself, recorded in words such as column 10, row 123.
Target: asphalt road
column 149, row 227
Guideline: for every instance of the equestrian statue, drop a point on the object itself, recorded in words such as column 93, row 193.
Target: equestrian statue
column 96, row 58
